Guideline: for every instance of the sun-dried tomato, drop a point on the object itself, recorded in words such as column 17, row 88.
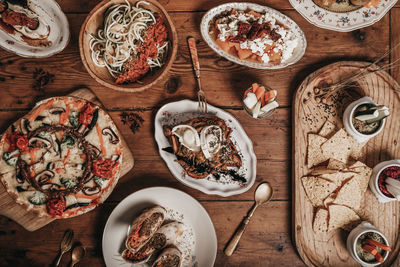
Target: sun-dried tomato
column 86, row 114
column 22, row 142
column 244, row 28
column 55, row 206
column 11, row 139
column 104, row 168
column 389, row 172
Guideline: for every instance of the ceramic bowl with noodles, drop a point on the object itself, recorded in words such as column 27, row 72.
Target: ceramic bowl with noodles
column 128, row 45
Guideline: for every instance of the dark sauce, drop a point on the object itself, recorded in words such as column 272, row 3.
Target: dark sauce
column 202, row 168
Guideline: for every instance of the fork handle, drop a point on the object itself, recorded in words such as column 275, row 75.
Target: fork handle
column 59, row 258
column 193, row 53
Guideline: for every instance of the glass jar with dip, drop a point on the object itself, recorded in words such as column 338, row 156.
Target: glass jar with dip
column 259, row 101
column 367, row 245
column 364, row 119
column 385, row 181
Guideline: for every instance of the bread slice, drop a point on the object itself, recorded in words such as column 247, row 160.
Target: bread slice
column 314, row 152
column 317, row 189
column 341, row 217
column 320, row 224
column 327, row 129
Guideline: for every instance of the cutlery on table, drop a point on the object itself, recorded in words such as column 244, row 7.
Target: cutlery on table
column 77, row 254
column 65, row 245
column 196, row 67
column 262, row 195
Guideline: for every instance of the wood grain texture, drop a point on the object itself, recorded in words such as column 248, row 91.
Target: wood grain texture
column 29, row 219
column 329, row 249
column 84, row 6
column 223, row 81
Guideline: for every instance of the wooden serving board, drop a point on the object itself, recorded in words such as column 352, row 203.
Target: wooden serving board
column 329, row 249
column 29, row 219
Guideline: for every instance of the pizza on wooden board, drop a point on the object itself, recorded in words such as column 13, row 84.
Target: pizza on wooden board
column 62, row 159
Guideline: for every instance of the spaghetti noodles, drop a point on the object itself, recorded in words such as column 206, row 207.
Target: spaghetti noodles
column 133, row 41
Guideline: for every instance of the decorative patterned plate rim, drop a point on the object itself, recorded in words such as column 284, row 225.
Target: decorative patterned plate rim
column 315, row 15
column 22, row 49
column 298, row 53
column 208, row 187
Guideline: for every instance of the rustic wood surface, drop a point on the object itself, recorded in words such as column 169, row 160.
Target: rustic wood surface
column 267, row 241
column 329, row 249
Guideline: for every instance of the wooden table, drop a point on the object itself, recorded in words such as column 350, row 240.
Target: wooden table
column 268, row 239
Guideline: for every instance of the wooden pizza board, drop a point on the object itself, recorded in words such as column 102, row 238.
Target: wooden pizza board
column 29, row 219
column 329, row 249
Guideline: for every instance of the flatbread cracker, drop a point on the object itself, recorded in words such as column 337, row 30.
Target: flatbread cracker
column 314, row 152
column 350, row 194
column 335, row 164
column 341, row 216
column 341, row 146
column 364, row 174
column 317, row 189
column 320, row 224
column 339, row 177
column 327, row 129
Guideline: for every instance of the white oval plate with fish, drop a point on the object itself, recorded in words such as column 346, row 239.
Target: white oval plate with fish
column 297, row 54
column 342, row 21
column 198, row 245
column 180, row 111
column 50, row 36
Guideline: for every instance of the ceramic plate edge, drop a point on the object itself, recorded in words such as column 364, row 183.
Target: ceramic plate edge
column 202, row 189
column 207, row 38
column 214, row 234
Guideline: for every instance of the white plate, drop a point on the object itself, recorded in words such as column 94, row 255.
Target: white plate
column 341, row 22
column 176, row 112
column 51, row 13
column 288, row 22
column 194, row 215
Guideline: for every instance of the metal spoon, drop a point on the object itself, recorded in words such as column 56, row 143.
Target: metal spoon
column 77, row 254
column 262, row 195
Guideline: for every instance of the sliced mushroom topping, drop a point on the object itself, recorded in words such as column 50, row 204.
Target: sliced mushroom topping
column 94, row 151
column 113, row 138
column 39, row 142
column 56, row 110
column 24, row 126
column 50, row 186
column 44, row 176
column 89, row 191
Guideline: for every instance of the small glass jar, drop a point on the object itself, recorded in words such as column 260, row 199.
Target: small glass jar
column 248, row 111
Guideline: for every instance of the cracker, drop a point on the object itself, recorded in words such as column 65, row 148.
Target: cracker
column 339, row 177
column 327, row 129
column 350, row 194
column 317, row 189
column 341, row 216
column 320, row 224
column 335, row 164
column 364, row 174
column 314, row 152
column 340, row 146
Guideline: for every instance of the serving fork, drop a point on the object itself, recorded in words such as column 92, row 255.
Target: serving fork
column 201, row 96
column 65, row 245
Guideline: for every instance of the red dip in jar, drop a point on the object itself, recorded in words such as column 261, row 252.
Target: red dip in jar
column 389, row 172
